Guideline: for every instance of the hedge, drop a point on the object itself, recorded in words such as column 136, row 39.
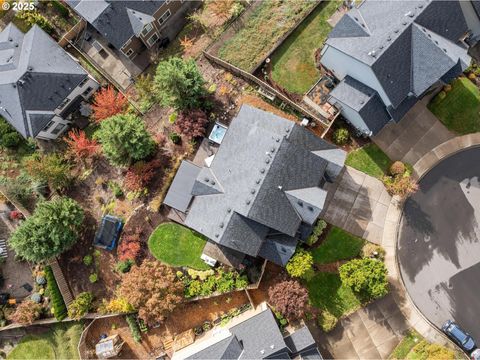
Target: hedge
column 134, row 329
column 56, row 298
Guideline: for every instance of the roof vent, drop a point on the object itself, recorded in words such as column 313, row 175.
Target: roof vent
column 436, row 42
column 300, row 203
column 267, row 161
column 14, row 85
column 213, row 182
column 207, row 179
column 280, row 187
column 310, row 208
column 229, row 210
column 380, row 47
column 272, row 346
column 356, row 18
column 287, row 130
column 262, row 351
column 408, row 13
column 217, row 235
column 372, row 53
column 362, row 102
column 420, row 6
column 247, row 202
column 221, row 225
column 16, row 45
column 396, row 31
column 444, row 49
column 404, row 22
column 262, row 170
column 10, row 39
column 272, row 149
column 258, row 181
column 389, row 38
column 277, row 139
column 252, row 191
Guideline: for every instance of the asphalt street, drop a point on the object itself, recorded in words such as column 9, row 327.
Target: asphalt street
column 438, row 246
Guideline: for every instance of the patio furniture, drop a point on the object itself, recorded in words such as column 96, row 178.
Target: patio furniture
column 3, row 248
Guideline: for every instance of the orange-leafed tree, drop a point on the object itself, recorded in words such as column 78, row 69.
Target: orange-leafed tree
column 108, row 102
column 221, row 8
column 80, row 146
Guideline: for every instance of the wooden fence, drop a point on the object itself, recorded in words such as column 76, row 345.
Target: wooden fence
column 249, row 77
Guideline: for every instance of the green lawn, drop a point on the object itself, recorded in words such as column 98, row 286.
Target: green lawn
column 370, row 159
column 177, row 245
column 327, row 292
column 293, row 63
column 459, row 110
column 264, row 27
column 60, row 342
column 338, row 245
column 409, row 341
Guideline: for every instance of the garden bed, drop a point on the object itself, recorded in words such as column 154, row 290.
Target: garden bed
column 293, row 65
column 268, row 23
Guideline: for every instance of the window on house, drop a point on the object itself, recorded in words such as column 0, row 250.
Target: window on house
column 153, row 39
column 164, row 17
column 58, row 129
column 126, row 44
column 147, row 29
column 84, row 81
column 87, row 91
column 49, row 125
column 129, row 52
column 62, row 105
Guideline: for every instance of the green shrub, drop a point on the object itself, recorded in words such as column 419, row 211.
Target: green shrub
column 300, row 263
column 80, row 306
column 88, row 260
column 93, row 278
column 327, row 321
column 9, row 137
column 115, row 188
column 62, row 10
column 124, row 266
column 317, row 232
column 426, row 351
column 134, row 329
column 220, row 281
column 442, row 94
column 56, row 299
column 341, row 136
column 175, row 137
column 367, row 277
column 397, row 168
column 35, row 18
column 173, row 116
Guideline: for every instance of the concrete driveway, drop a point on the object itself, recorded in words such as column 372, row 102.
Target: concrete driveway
column 439, row 247
column 369, row 333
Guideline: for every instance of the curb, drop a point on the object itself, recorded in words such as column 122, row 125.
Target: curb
column 390, row 233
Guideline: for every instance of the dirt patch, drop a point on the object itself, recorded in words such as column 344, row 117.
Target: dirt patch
column 270, row 277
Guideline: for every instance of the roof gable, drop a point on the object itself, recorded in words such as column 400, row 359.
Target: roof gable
column 348, row 27
column 138, row 20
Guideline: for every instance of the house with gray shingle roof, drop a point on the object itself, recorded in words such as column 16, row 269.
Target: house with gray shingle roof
column 263, row 191
column 131, row 27
column 40, row 83
column 256, row 337
column 388, row 54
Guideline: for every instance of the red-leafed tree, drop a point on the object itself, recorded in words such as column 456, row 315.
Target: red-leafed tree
column 80, row 146
column 130, row 246
column 289, row 298
column 140, row 174
column 107, row 102
column 192, row 123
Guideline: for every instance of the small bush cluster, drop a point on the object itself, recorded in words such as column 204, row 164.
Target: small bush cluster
column 399, row 181
column 117, row 305
column 341, row 136
column 367, row 277
column 116, row 189
column 134, row 329
column 140, row 174
column 317, row 232
column 371, row 250
column 426, row 351
column 80, row 146
column 130, row 246
column 35, row 18
column 26, row 312
column 59, row 308
column 300, row 264
column 80, row 306
column 9, row 137
column 124, row 266
column 221, row 281
column 49, row 168
column 175, row 138
column 327, row 321
column 289, row 298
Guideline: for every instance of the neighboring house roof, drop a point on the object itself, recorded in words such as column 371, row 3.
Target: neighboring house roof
column 364, row 100
column 408, row 44
column 257, row 337
column 266, row 175
column 36, row 75
column 117, row 21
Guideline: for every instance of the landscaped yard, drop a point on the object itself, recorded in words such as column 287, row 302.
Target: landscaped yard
column 293, row 63
column 269, row 22
column 338, row 245
column 402, row 350
column 459, row 110
column 369, row 159
column 327, row 293
column 176, row 245
column 59, row 342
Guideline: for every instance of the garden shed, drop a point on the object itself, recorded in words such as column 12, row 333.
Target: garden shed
column 109, row 347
